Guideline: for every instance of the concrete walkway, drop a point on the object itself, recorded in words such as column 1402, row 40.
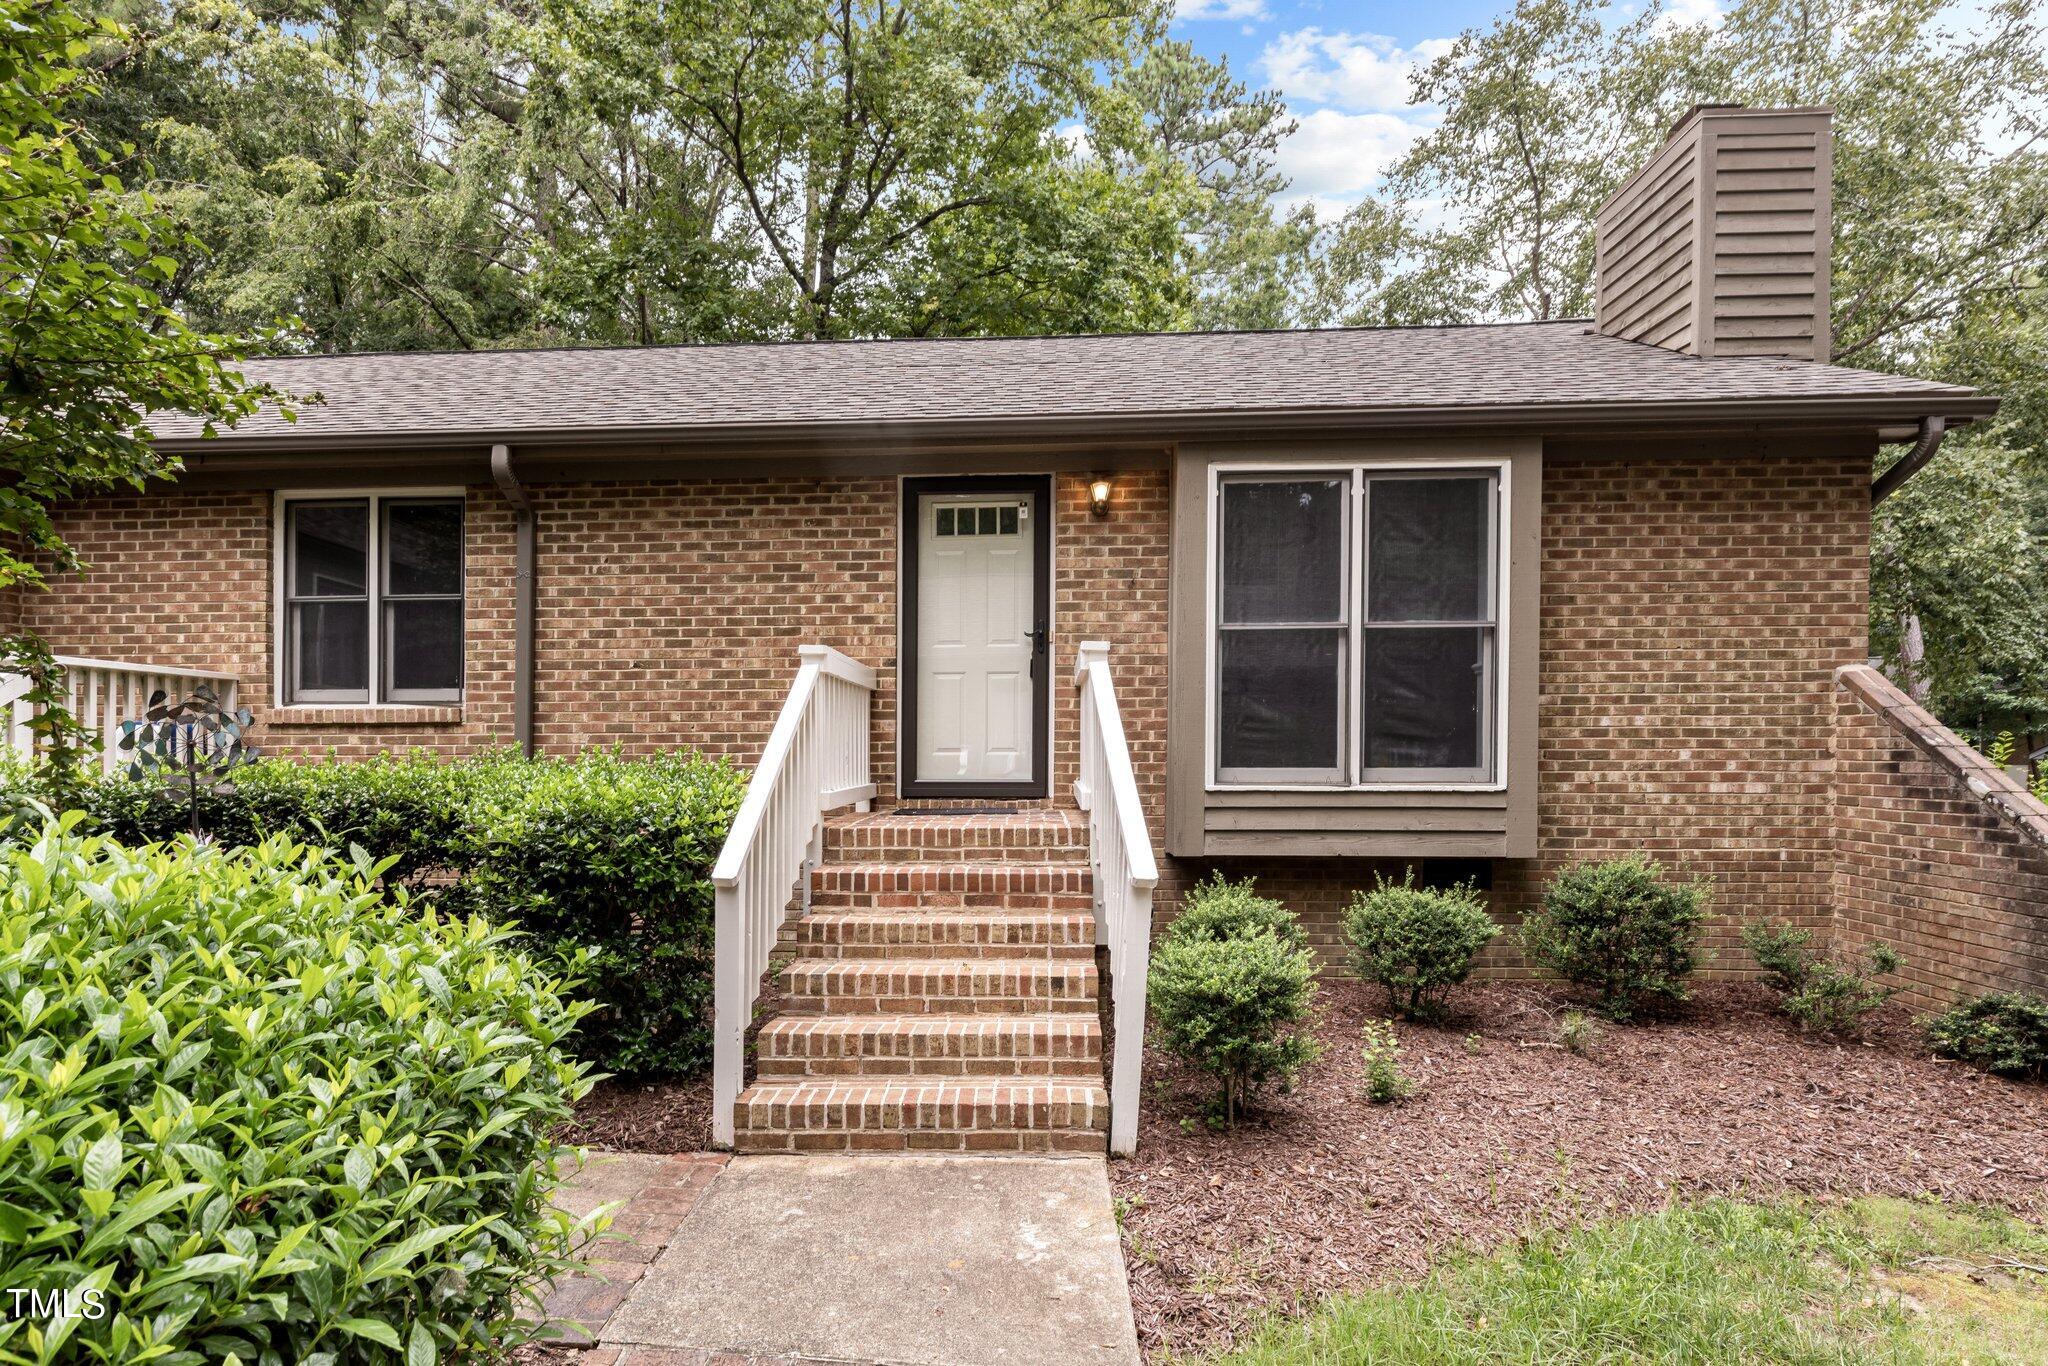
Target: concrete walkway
column 966, row 1261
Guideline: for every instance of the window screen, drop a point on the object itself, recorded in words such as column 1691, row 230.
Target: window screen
column 396, row 562
column 1401, row 566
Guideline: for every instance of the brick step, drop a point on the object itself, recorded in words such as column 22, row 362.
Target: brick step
column 1038, row 1115
column 945, row 934
column 954, row 886
column 938, row 986
column 895, row 1046
column 1040, row 835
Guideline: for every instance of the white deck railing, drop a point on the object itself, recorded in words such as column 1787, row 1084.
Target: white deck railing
column 816, row 761
column 102, row 694
column 1120, row 853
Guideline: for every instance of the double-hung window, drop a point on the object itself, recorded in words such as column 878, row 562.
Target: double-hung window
column 372, row 600
column 1357, row 631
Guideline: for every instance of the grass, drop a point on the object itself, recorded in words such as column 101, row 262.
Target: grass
column 1872, row 1280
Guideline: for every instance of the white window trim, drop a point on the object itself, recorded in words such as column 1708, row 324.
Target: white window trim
column 280, row 595
column 1503, row 470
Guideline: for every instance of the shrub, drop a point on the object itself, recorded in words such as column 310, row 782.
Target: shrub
column 1238, row 1008
column 1385, row 1082
column 1823, row 993
column 1417, row 942
column 598, row 853
column 1221, row 909
column 2004, row 1032
column 267, row 1112
column 1620, row 931
column 613, row 857
column 1578, row 1033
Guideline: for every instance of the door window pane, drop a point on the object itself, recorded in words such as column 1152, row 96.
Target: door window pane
column 423, row 646
column 1425, row 691
column 330, row 545
column 1278, row 704
column 1283, row 550
column 1428, row 542
column 331, row 647
column 423, row 548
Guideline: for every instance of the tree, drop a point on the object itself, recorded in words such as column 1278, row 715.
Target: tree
column 88, row 347
column 883, row 157
column 1246, row 263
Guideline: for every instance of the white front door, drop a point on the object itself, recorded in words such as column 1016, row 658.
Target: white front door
column 976, row 574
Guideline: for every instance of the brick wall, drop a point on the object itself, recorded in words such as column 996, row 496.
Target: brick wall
column 1940, row 853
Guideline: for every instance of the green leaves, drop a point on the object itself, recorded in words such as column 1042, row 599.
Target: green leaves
column 88, row 347
column 251, row 1171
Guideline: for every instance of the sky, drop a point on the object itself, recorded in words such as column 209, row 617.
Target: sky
column 1342, row 66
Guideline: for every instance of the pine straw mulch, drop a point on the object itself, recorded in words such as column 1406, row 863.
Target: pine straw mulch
column 1321, row 1191
column 643, row 1116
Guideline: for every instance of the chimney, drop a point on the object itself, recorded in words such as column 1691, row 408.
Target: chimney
column 1719, row 245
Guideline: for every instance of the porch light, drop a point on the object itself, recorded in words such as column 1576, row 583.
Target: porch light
column 1098, row 497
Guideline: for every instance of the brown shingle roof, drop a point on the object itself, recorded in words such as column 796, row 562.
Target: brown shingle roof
column 1174, row 379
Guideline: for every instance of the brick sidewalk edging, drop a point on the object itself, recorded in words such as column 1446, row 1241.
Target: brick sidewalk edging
column 580, row 1306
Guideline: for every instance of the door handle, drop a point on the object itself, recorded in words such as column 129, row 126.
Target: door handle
column 1040, row 636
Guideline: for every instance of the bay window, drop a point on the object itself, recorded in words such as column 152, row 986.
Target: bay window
column 371, row 601
column 1357, row 627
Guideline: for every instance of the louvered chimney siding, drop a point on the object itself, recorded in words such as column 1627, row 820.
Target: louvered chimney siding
column 1719, row 245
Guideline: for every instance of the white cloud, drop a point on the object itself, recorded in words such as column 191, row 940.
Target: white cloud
column 1349, row 70
column 1688, row 14
column 1335, row 158
column 1220, row 9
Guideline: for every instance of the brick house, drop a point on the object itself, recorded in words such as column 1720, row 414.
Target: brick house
column 1484, row 600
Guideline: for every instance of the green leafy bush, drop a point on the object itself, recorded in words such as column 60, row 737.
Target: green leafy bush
column 1237, row 1005
column 268, row 1113
column 2003, row 1031
column 613, row 857
column 1417, row 942
column 600, row 853
column 1220, row 909
column 1621, row 931
column 1823, row 993
column 1385, row 1082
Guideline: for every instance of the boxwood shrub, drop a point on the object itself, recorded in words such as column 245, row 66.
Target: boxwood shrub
column 1417, row 942
column 264, row 1112
column 598, row 853
column 1621, row 930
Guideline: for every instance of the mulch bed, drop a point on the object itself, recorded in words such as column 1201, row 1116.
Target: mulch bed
column 1321, row 1191
column 644, row 1116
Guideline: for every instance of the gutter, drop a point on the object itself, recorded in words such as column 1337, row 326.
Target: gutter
column 1932, row 429
column 836, row 435
column 524, row 586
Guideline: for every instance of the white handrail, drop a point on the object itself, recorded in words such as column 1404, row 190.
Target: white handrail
column 1120, row 853
column 816, row 761
column 101, row 694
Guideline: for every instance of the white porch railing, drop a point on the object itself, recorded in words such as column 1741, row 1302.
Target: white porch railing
column 1120, row 853
column 816, row 761
column 103, row 693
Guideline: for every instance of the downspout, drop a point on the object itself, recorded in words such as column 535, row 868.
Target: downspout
column 1932, row 429
column 524, row 595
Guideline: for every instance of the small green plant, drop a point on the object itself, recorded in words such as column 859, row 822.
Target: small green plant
column 1578, row 1033
column 1385, row 1082
column 1622, row 931
column 60, row 744
column 1239, row 1008
column 2003, row 1031
column 2038, row 785
column 1218, row 908
column 2001, row 749
column 1475, row 1044
column 1821, row 991
column 1417, row 942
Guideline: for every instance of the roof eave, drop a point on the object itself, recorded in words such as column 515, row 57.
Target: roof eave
column 1836, row 412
